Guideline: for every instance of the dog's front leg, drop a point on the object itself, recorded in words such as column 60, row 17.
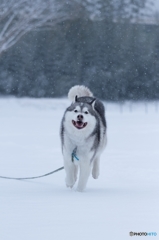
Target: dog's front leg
column 95, row 170
column 85, row 169
column 70, row 176
column 70, row 171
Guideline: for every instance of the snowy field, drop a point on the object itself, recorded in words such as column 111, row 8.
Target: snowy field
column 125, row 197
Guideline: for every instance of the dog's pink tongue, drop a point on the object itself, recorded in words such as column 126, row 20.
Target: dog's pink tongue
column 79, row 124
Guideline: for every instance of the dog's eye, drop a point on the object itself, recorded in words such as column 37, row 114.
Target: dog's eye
column 75, row 111
column 86, row 112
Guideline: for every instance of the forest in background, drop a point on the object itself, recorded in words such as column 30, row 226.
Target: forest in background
column 117, row 60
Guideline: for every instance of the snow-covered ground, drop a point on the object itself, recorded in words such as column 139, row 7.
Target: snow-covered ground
column 125, row 197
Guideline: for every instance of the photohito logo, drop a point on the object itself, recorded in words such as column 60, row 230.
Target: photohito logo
column 151, row 234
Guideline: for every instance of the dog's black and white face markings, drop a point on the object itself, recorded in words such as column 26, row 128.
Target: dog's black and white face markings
column 81, row 114
column 79, row 121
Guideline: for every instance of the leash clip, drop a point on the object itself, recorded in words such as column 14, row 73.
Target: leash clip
column 74, row 155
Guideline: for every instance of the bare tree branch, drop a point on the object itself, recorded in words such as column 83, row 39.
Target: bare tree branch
column 17, row 17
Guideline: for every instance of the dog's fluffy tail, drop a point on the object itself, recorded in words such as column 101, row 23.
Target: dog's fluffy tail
column 79, row 91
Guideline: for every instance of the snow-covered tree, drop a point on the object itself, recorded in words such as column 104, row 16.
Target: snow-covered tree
column 18, row 17
column 115, row 10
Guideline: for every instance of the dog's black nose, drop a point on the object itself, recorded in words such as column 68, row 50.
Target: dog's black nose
column 80, row 117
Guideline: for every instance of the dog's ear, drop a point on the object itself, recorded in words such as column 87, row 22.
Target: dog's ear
column 76, row 98
column 93, row 102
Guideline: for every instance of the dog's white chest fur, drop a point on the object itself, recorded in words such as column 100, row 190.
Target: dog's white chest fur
column 84, row 147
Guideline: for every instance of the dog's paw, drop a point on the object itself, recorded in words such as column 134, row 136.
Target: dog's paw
column 69, row 183
column 79, row 189
column 95, row 174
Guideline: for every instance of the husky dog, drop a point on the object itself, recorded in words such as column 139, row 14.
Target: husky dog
column 83, row 136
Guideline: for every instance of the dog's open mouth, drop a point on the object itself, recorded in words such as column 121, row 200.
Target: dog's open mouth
column 79, row 124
